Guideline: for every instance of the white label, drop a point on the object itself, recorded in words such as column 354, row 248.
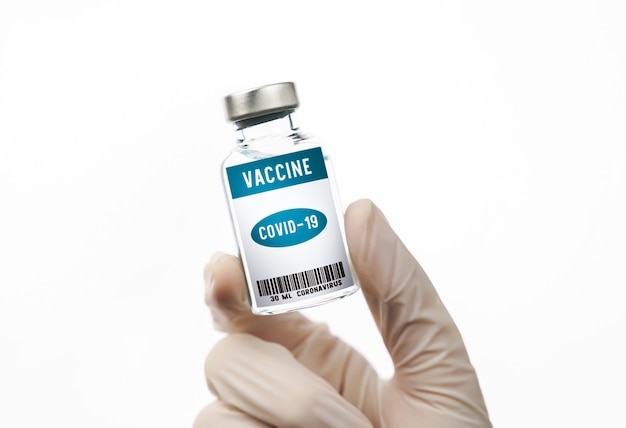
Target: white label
column 289, row 233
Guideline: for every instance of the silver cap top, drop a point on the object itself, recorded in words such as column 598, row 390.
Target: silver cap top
column 260, row 101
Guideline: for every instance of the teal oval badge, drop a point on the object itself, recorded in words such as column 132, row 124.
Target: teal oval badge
column 289, row 227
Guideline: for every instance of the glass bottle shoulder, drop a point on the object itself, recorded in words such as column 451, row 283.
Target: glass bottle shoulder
column 264, row 148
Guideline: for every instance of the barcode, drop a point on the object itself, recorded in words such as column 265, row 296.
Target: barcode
column 301, row 280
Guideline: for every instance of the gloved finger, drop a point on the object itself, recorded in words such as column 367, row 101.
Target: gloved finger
column 311, row 343
column 220, row 414
column 226, row 296
column 428, row 353
column 265, row 381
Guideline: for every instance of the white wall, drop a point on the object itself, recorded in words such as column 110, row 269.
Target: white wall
column 492, row 135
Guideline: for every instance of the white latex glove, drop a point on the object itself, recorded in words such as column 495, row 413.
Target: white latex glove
column 287, row 371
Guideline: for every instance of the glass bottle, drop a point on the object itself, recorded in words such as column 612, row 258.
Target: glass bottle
column 284, row 206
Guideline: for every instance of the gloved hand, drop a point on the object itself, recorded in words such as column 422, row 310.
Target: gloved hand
column 287, row 371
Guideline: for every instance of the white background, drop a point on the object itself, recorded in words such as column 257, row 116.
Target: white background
column 492, row 134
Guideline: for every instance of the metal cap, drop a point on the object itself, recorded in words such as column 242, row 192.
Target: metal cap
column 261, row 101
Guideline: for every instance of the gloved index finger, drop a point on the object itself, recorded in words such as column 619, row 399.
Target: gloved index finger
column 427, row 350
column 225, row 294
column 311, row 343
column 265, row 381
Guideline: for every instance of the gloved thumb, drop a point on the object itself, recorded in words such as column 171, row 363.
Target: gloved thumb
column 430, row 360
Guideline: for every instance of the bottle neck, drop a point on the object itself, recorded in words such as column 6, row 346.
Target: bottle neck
column 276, row 125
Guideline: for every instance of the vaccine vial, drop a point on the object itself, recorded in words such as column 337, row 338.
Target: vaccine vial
column 284, row 205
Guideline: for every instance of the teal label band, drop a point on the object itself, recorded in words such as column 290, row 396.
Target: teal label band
column 276, row 172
